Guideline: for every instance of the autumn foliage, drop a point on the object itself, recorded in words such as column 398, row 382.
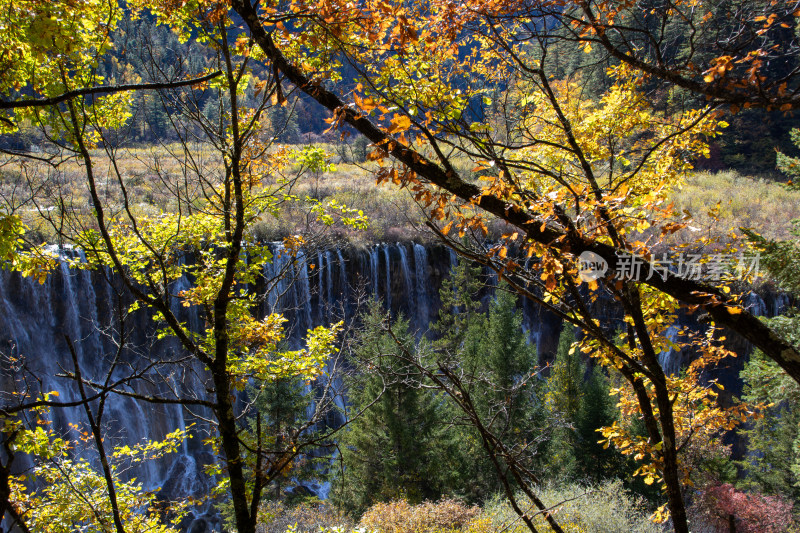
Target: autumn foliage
column 401, row 517
column 726, row 508
column 466, row 107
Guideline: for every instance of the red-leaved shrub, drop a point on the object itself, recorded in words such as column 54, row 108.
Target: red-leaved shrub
column 723, row 505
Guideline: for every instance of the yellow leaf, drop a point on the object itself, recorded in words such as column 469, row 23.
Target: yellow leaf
column 399, row 123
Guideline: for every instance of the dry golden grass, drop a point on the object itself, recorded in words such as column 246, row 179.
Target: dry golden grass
column 741, row 201
column 155, row 176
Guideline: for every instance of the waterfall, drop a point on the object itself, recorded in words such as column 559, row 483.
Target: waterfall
column 408, row 285
column 79, row 304
column 329, row 281
column 304, row 291
column 373, row 270
column 755, row 304
column 492, row 281
column 70, row 323
column 320, row 293
column 668, row 359
column 781, row 303
column 388, row 278
column 275, row 278
column 344, row 289
column 39, row 333
column 422, row 276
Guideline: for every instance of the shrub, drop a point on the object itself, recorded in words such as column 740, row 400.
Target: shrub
column 578, row 508
column 721, row 506
column 400, row 517
column 277, row 517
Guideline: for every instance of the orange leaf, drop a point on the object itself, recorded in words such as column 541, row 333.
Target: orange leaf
column 399, row 123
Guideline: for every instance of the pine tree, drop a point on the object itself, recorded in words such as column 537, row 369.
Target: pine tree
column 564, row 397
column 459, row 295
column 579, row 406
column 564, row 386
column 282, row 406
column 597, row 410
column 401, row 446
column 773, row 459
column 509, row 360
column 496, row 361
column 284, row 125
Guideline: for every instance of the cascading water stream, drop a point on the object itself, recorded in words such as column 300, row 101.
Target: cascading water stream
column 329, row 280
column 421, row 285
column 304, row 291
column 388, row 277
column 407, row 283
column 344, row 289
column 374, row 270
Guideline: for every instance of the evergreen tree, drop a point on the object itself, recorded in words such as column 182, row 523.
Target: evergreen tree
column 401, row 446
column 564, row 386
column 596, row 462
column 497, row 352
column 494, row 358
column 284, row 125
column 508, row 361
column 579, row 406
column 564, row 397
column 283, row 407
column 773, row 459
column 460, row 308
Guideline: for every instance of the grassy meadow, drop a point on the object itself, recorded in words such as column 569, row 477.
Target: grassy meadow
column 156, row 177
column 724, row 201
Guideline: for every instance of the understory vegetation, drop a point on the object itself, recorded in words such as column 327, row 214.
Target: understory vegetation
column 583, row 508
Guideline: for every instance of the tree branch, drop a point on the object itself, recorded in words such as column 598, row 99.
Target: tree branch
column 724, row 310
column 53, row 100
